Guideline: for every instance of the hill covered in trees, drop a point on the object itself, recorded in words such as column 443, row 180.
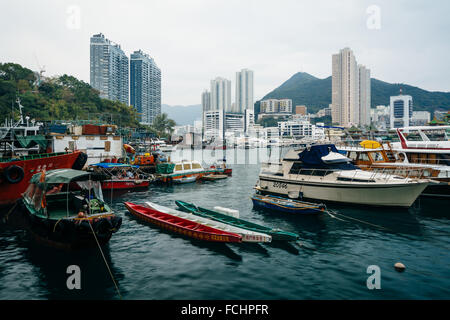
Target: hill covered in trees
column 58, row 98
column 315, row 93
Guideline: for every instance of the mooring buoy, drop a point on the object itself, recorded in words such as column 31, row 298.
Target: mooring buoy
column 400, row 267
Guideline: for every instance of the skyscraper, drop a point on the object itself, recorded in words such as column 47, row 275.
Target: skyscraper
column 206, row 101
column 350, row 92
column 221, row 94
column 244, row 91
column 145, row 86
column 108, row 69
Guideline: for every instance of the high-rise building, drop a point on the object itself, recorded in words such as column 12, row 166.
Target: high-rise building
column 301, row 110
column 350, row 92
column 206, row 101
column 364, row 95
column 145, row 86
column 401, row 111
column 221, row 94
column 244, row 91
column 109, row 69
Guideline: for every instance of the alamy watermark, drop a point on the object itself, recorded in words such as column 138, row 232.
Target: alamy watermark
column 374, row 280
column 373, row 21
column 73, row 21
column 74, row 280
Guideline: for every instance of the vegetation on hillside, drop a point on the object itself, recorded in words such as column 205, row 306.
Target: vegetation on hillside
column 315, row 93
column 59, row 98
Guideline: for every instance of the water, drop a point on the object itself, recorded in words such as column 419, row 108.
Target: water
column 148, row 263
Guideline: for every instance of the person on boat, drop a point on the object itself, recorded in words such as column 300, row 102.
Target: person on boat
column 55, row 189
column 130, row 175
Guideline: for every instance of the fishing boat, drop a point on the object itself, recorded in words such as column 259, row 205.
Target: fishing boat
column 15, row 173
column 180, row 225
column 276, row 234
column 286, row 205
column 62, row 216
column 122, row 176
column 184, row 171
column 303, row 175
column 247, row 235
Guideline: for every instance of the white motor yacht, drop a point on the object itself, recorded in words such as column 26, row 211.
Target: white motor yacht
column 305, row 175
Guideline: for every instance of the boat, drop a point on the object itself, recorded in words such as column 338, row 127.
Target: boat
column 15, row 173
column 375, row 157
column 286, row 205
column 65, row 209
column 303, row 175
column 122, row 176
column 276, row 234
column 247, row 235
column 180, row 225
column 184, row 171
column 213, row 177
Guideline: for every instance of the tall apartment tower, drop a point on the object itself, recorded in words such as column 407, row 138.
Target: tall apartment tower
column 221, row 94
column 145, row 86
column 109, row 69
column 206, row 101
column 364, row 95
column 350, row 90
column 244, row 91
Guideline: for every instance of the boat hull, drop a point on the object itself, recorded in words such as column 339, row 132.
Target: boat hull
column 111, row 185
column 198, row 231
column 394, row 195
column 75, row 233
column 268, row 205
column 12, row 192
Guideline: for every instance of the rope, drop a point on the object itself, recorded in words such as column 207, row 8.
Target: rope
column 10, row 211
column 106, row 263
column 333, row 213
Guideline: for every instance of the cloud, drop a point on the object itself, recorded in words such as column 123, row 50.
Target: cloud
column 195, row 41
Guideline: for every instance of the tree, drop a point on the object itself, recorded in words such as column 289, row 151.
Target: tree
column 162, row 125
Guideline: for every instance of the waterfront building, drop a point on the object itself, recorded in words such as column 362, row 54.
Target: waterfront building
column 213, row 125
column 380, row 117
column 221, row 94
column 145, row 86
column 244, row 91
column 350, row 90
column 420, row 118
column 300, row 127
column 109, row 69
column 401, row 110
column 301, row 110
column 276, row 106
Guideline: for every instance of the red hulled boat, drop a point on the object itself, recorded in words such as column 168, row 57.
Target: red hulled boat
column 15, row 174
column 182, row 226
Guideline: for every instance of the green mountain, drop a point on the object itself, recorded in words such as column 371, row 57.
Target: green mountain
column 315, row 93
column 58, row 98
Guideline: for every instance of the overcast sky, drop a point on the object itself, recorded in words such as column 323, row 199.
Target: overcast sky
column 194, row 41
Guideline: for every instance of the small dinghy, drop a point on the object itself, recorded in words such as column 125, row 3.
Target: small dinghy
column 185, row 179
column 286, row 205
column 276, row 234
column 182, row 226
column 247, row 235
column 213, row 177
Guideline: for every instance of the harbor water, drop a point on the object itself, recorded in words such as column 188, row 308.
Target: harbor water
column 330, row 261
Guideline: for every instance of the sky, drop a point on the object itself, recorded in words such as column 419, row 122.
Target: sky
column 194, row 41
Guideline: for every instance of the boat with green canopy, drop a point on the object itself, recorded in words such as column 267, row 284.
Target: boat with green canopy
column 65, row 209
column 276, row 234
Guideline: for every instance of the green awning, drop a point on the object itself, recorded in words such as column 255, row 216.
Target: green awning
column 66, row 176
column 29, row 141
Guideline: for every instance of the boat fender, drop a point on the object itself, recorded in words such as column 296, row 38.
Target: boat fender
column 102, row 227
column 13, row 174
column 116, row 224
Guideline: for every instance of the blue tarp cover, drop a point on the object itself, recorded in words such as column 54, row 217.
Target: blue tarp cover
column 113, row 165
column 311, row 158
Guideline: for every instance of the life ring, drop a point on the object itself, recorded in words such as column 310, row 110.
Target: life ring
column 13, row 174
